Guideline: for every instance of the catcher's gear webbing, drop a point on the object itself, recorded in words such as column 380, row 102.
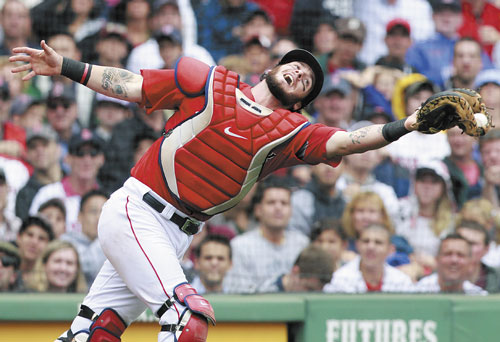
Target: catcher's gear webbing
column 455, row 107
column 478, row 107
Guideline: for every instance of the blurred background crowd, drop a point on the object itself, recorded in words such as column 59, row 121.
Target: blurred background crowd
column 421, row 215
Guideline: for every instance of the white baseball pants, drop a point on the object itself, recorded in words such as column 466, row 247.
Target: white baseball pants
column 143, row 248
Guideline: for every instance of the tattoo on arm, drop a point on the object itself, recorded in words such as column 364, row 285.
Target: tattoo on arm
column 357, row 135
column 116, row 81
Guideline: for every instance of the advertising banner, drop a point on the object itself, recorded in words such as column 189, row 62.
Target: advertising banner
column 378, row 319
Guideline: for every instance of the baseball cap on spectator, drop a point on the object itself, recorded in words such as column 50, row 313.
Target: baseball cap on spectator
column 103, row 99
column 336, row 84
column 257, row 13
column 11, row 256
column 398, row 23
column 21, row 104
column 168, row 32
column 85, row 137
column 351, row 28
column 486, row 77
column 373, row 112
column 43, row 132
column 438, row 170
column 415, row 87
column 400, row 94
column 327, row 18
column 262, row 41
column 493, row 134
column 441, row 5
column 115, row 30
column 432, row 167
column 160, row 3
column 61, row 94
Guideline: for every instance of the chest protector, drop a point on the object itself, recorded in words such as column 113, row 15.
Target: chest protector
column 213, row 159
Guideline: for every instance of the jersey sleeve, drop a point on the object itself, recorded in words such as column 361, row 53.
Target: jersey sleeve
column 308, row 146
column 159, row 90
column 166, row 89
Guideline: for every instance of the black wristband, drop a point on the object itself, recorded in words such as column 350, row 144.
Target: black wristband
column 76, row 71
column 392, row 131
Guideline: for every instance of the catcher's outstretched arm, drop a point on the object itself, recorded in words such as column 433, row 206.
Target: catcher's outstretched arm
column 368, row 138
column 114, row 82
column 443, row 110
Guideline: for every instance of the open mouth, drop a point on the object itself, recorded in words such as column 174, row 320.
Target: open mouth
column 288, row 78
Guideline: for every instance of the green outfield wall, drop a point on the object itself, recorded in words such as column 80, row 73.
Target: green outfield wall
column 310, row 318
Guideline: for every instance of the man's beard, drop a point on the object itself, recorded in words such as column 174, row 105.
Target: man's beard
column 286, row 99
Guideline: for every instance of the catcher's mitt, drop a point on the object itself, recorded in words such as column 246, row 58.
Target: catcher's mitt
column 455, row 107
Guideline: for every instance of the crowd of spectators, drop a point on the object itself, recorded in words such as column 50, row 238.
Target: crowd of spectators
column 421, row 215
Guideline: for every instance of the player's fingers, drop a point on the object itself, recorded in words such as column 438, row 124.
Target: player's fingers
column 29, row 76
column 46, row 48
column 24, row 49
column 19, row 58
column 22, row 68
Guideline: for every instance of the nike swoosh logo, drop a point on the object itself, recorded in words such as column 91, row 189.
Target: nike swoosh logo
column 228, row 132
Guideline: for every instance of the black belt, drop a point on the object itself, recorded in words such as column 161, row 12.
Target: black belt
column 186, row 224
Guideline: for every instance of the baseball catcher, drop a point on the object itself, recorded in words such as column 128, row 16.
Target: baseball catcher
column 223, row 137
